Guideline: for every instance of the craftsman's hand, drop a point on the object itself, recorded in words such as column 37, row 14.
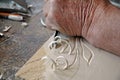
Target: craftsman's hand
column 96, row 20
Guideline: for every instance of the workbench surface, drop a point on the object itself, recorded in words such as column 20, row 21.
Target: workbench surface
column 20, row 43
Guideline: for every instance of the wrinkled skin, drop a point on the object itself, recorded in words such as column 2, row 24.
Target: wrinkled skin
column 96, row 20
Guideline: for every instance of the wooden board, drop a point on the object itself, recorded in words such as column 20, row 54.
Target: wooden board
column 104, row 66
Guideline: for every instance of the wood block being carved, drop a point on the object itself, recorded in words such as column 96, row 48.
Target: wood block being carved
column 68, row 58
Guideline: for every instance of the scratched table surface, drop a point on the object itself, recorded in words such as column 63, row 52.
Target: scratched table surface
column 20, row 43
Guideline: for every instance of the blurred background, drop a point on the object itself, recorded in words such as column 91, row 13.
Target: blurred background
column 20, row 35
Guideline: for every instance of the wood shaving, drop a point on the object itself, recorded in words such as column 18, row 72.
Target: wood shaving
column 7, row 28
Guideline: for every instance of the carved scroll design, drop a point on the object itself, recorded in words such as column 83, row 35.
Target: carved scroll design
column 61, row 62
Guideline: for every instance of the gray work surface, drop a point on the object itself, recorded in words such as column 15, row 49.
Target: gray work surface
column 20, row 43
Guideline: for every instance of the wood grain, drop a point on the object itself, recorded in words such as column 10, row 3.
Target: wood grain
column 33, row 69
